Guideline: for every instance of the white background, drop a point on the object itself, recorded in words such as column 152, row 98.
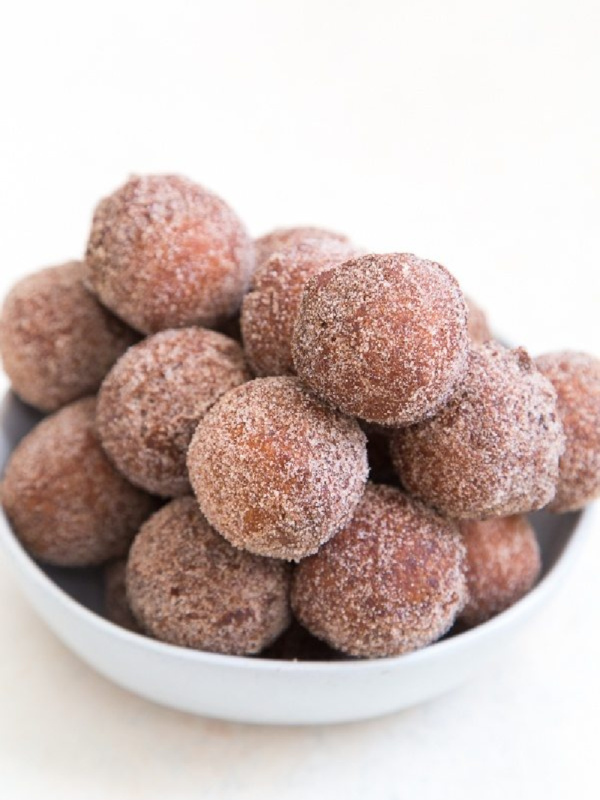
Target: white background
column 467, row 132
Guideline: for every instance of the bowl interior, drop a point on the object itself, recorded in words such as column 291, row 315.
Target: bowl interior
column 85, row 585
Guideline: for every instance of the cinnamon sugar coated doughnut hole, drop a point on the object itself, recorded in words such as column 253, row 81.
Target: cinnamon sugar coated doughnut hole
column 152, row 399
column 269, row 311
column 390, row 582
column 165, row 253
column 66, row 502
column 57, row 342
column 188, row 586
column 275, row 471
column 494, row 449
column 383, row 337
column 116, row 605
column 282, row 239
column 477, row 324
column 503, row 563
column 576, row 378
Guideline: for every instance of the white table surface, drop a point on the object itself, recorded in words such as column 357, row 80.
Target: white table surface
column 465, row 132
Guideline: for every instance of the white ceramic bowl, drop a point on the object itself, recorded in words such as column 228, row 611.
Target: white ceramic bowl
column 262, row 690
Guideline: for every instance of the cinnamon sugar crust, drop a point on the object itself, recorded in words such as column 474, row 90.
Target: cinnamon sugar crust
column 152, row 399
column 57, row 342
column 188, row 586
column 503, row 563
column 66, row 502
column 166, row 253
column 282, row 239
column 270, row 309
column 494, row 449
column 389, row 582
column 276, row 471
column 383, row 337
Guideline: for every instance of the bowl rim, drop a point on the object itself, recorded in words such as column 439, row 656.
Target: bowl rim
column 26, row 564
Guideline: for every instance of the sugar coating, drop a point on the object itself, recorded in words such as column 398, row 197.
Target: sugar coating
column 503, row 562
column 188, row 586
column 281, row 239
column 66, row 502
column 477, row 324
column 275, row 471
column 166, row 253
column 269, row 311
column 390, row 582
column 57, row 342
column 152, row 399
column 116, row 605
column 382, row 337
column 576, row 378
column 494, row 449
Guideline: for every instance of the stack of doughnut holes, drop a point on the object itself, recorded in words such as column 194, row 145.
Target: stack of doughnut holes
column 290, row 446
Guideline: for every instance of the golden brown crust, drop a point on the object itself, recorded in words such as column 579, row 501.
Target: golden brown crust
column 166, row 253
column 66, row 502
column 188, row 586
column 391, row 581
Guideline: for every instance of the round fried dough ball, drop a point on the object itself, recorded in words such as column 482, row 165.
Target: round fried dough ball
column 152, row 399
column 270, row 309
column 391, row 581
column 383, row 337
column 186, row 585
column 494, row 449
column 502, row 564
column 66, row 502
column 576, row 378
column 275, row 471
column 166, row 253
column 57, row 342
